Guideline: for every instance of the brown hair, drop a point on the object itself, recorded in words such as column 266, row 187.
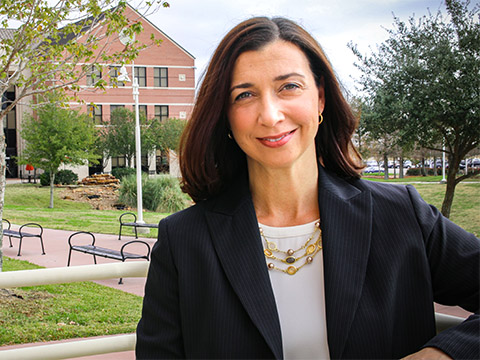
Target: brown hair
column 209, row 160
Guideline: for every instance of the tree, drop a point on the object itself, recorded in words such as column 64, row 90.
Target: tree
column 428, row 71
column 167, row 133
column 54, row 47
column 57, row 135
column 359, row 136
column 118, row 137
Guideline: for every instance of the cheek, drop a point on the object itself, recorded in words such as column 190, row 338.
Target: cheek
column 240, row 121
column 306, row 115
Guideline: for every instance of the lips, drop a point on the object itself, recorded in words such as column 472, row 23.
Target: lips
column 277, row 140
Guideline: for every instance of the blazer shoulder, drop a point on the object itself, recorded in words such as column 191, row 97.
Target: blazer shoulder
column 394, row 193
column 188, row 215
column 402, row 200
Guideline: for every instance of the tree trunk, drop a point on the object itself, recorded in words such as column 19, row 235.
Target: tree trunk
column 424, row 173
column 3, row 167
column 400, row 175
column 453, row 165
column 52, row 181
column 385, row 166
column 449, row 192
column 435, row 172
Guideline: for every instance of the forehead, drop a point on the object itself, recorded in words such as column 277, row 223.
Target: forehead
column 278, row 56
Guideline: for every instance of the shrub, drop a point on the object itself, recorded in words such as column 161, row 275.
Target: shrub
column 160, row 194
column 414, row 172
column 429, row 171
column 64, row 177
column 45, row 178
column 121, row 172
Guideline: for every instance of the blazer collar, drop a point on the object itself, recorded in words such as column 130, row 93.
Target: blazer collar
column 346, row 220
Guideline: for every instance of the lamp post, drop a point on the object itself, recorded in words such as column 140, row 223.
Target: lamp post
column 443, row 181
column 138, row 148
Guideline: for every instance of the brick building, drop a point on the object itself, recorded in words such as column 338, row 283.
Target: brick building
column 166, row 78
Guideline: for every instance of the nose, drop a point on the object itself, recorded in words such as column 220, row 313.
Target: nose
column 270, row 112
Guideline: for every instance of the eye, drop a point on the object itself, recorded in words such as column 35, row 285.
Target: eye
column 291, row 86
column 243, row 95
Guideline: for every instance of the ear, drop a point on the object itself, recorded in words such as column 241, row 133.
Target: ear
column 321, row 95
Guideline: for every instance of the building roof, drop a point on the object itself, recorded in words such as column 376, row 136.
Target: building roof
column 160, row 31
column 7, row 33
column 87, row 22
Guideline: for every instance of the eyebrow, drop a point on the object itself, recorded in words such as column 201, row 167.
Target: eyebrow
column 278, row 78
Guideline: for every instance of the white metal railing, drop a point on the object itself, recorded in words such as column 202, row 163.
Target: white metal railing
column 73, row 348
column 62, row 275
column 107, row 344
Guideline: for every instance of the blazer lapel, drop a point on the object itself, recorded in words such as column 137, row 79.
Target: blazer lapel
column 346, row 221
column 234, row 230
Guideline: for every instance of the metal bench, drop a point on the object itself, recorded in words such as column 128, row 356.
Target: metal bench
column 91, row 249
column 133, row 224
column 29, row 230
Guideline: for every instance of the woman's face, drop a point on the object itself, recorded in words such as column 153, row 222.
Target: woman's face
column 274, row 106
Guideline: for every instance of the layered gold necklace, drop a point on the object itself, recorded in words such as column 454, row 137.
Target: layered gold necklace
column 307, row 251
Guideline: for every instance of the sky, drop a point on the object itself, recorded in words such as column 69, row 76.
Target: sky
column 199, row 25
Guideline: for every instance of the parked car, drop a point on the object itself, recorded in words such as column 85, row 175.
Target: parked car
column 371, row 169
column 439, row 164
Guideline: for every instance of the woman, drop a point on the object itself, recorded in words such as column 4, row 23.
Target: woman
column 287, row 253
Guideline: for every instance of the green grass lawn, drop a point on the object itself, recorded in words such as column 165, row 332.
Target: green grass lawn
column 29, row 203
column 410, row 179
column 466, row 202
column 55, row 312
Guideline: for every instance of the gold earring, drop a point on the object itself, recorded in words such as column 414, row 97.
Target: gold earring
column 321, row 118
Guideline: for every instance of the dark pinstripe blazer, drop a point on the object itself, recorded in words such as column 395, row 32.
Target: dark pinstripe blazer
column 387, row 256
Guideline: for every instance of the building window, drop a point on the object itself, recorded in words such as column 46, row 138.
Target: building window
column 161, row 112
column 11, row 119
column 160, row 77
column 143, row 109
column 96, row 112
column 113, row 107
column 93, row 75
column 119, row 161
column 114, row 72
column 141, row 75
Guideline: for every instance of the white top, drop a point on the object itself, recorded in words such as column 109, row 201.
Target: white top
column 300, row 297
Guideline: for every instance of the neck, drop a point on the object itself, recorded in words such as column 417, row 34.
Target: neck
column 285, row 197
